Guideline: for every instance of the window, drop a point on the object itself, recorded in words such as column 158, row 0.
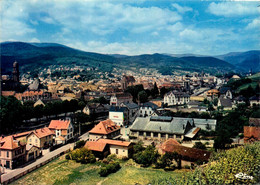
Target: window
column 7, row 154
column 123, row 150
column 36, row 140
column 116, row 151
column 155, row 134
column 178, row 136
column 141, row 133
column 0, row 154
column 148, row 134
column 163, row 134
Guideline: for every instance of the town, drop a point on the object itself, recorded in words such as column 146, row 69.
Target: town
column 123, row 116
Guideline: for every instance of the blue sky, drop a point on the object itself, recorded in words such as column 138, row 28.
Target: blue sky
column 135, row 27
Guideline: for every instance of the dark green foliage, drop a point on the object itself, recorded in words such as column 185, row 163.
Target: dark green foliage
column 109, row 168
column 134, row 90
column 80, row 144
column 155, row 91
column 138, row 147
column 83, row 156
column 163, row 91
column 166, row 160
column 147, row 156
column 142, row 97
column 199, row 145
column 11, row 114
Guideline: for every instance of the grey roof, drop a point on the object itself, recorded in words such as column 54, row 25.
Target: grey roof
column 223, row 90
column 175, row 126
column 225, row 102
column 178, row 93
column 117, row 109
column 150, row 104
column 199, row 122
column 194, row 103
column 172, row 125
column 34, row 85
column 131, row 105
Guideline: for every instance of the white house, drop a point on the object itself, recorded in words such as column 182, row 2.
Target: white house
column 119, row 115
column 176, row 98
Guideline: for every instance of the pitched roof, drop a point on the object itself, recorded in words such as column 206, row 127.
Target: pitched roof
column 186, row 152
column 105, row 127
column 223, row 90
column 254, row 122
column 252, row 132
column 8, row 93
column 96, row 146
column 114, row 142
column 257, row 98
column 9, row 143
column 59, row 124
column 117, row 109
column 42, row 132
column 124, row 96
column 225, row 102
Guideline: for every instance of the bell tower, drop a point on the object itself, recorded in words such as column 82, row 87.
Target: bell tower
column 16, row 71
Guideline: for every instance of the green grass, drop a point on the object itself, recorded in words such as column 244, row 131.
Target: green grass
column 245, row 86
column 61, row 171
column 255, row 77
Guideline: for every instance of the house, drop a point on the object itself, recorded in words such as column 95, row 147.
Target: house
column 62, row 129
column 226, row 92
column 252, row 132
column 254, row 100
column 95, row 109
column 132, row 109
column 162, row 128
column 187, row 155
column 41, row 138
column 105, row 129
column 104, row 147
column 226, row 103
column 213, row 93
column 147, row 109
column 239, row 99
column 119, row 115
column 176, row 98
column 12, row 152
column 32, row 152
column 127, row 81
column 117, row 99
column 38, row 102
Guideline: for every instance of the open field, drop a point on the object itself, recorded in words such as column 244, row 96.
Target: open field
column 61, row 171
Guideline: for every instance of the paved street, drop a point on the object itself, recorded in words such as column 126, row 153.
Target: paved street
column 12, row 173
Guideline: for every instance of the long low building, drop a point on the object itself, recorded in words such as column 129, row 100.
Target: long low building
column 162, row 127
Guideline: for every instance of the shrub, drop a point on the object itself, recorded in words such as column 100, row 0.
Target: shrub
column 67, row 156
column 146, row 157
column 103, row 172
column 109, row 168
column 83, row 155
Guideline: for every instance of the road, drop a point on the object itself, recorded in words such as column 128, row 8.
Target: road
column 12, row 173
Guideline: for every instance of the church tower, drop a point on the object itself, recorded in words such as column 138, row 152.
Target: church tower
column 15, row 72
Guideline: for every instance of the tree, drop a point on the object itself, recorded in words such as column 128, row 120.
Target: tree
column 142, row 97
column 154, row 91
column 147, row 156
column 199, row 145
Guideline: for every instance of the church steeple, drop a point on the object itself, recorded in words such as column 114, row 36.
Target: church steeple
column 16, row 71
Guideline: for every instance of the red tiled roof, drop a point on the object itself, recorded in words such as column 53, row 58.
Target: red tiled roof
column 8, row 93
column 59, row 124
column 22, row 134
column 251, row 132
column 186, row 152
column 42, row 132
column 96, row 146
column 169, row 142
column 9, row 143
column 105, row 127
column 114, row 142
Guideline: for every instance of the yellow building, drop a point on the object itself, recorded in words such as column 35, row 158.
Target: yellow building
column 41, row 138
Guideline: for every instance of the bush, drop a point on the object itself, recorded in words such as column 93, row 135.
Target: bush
column 67, row 156
column 83, row 156
column 146, row 157
column 109, row 168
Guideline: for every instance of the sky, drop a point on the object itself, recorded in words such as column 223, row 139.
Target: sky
column 135, row 27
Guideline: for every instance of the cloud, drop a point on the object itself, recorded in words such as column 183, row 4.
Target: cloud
column 255, row 24
column 233, row 9
column 181, row 9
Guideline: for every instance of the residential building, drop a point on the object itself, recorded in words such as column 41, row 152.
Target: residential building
column 188, row 155
column 63, row 130
column 12, row 152
column 103, row 147
column 176, row 98
column 32, row 152
column 226, row 92
column 226, row 103
column 95, row 109
column 132, row 109
column 106, row 129
column 117, row 99
column 147, row 109
column 119, row 115
column 41, row 138
column 252, row 132
column 254, row 100
column 213, row 93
